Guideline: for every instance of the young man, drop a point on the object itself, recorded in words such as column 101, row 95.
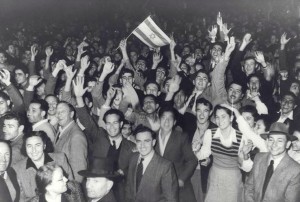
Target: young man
column 275, row 176
column 150, row 177
column 174, row 146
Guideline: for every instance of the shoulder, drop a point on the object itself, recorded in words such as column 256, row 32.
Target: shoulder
column 130, row 145
column 162, row 161
column 20, row 165
column 57, row 156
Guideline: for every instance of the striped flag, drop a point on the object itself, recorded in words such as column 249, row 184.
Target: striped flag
column 149, row 33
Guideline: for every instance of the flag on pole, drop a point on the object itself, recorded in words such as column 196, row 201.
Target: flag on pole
column 149, row 33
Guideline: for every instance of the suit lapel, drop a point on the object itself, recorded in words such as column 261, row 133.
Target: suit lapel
column 149, row 173
column 170, row 144
column 262, row 171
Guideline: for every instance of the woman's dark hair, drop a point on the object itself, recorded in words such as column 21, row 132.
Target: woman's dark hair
column 46, row 140
column 218, row 107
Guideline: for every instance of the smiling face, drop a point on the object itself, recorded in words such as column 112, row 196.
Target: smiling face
column 277, row 144
column 149, row 105
column 223, row 120
column 144, row 143
column 113, row 125
column 249, row 66
column 287, row 104
column 4, row 106
column 201, row 81
column 4, row 156
column 52, row 103
column 203, row 112
column 254, row 84
column 234, row 94
column 64, row 114
column 167, row 121
column 34, row 113
column 216, row 52
column 35, row 148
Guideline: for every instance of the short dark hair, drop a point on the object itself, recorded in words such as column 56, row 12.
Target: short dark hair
column 43, row 104
column 24, row 69
column 290, row 94
column 203, row 71
column 46, row 140
column 14, row 116
column 253, row 75
column 250, row 109
column 170, row 109
column 126, row 70
column 219, row 107
column 204, row 102
column 114, row 111
column 71, row 107
column 141, row 129
column 266, row 119
column 149, row 95
column 222, row 45
column 4, row 96
column 243, row 87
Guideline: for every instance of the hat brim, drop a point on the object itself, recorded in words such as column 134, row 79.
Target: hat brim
column 289, row 137
column 87, row 173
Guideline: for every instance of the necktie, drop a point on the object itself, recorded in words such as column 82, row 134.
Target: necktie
column 269, row 174
column 139, row 173
column 114, row 144
column 192, row 102
column 58, row 134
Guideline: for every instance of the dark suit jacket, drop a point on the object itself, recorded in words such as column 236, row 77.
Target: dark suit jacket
column 158, row 184
column 179, row 151
column 100, row 141
column 283, row 186
column 4, row 192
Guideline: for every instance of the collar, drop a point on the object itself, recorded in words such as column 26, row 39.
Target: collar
column 34, row 126
column 16, row 139
column 290, row 116
column 5, row 175
column 276, row 161
column 118, row 140
column 61, row 130
column 232, row 136
column 29, row 163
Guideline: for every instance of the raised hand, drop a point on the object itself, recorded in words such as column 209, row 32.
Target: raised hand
column 259, row 57
column 284, row 40
column 78, row 83
column 5, row 77
column 213, row 32
column 34, row 52
column 69, row 72
column 48, row 51
column 157, row 58
column 172, row 43
column 108, row 66
column 111, row 93
column 225, row 29
column 123, row 45
column 229, row 48
column 84, row 63
column 34, row 80
column 219, row 20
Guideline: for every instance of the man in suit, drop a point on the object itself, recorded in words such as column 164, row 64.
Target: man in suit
column 100, row 179
column 150, row 178
column 8, row 174
column 108, row 142
column 70, row 139
column 275, row 176
column 174, row 146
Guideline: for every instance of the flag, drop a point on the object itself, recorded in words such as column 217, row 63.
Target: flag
column 149, row 33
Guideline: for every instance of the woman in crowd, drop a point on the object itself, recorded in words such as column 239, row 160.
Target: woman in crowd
column 38, row 146
column 53, row 186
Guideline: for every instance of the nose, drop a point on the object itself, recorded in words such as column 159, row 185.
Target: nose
column 65, row 179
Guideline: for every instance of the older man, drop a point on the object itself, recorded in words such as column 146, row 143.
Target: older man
column 275, row 176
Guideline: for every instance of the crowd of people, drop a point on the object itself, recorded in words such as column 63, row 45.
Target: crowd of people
column 90, row 114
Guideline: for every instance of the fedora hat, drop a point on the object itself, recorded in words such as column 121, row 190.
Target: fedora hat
column 278, row 128
column 101, row 167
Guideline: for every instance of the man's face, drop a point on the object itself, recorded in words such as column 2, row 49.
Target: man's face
column 4, row 106
column 167, row 121
column 34, row 113
column 186, row 51
column 260, row 127
column 234, row 94
column 149, row 105
column 179, row 99
column 249, row 66
column 40, row 90
column 2, row 58
column 287, row 104
column 152, row 88
column 296, row 143
column 127, row 78
column 20, row 76
column 69, row 51
column 91, row 85
column 113, row 125
column 141, row 65
column 294, row 88
column 64, row 114
column 133, row 56
column 249, row 118
column 203, row 112
column 254, row 84
column 216, row 52
column 4, row 156
column 201, row 81
column 52, row 103
column 277, row 144
column 144, row 143
column 119, row 97
column 11, row 129
column 97, row 187
column 35, row 148
column 160, row 74
column 198, row 54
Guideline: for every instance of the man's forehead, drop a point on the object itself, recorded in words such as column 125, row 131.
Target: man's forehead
column 235, row 86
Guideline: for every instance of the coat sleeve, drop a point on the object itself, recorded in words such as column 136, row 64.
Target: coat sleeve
column 78, row 154
column 292, row 192
column 169, row 184
column 249, row 185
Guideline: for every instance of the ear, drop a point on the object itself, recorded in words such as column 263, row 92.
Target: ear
column 295, row 106
column 121, row 124
column 43, row 113
column 8, row 102
column 208, row 84
column 231, row 118
column 21, row 129
column 158, row 93
column 288, row 144
column 156, row 106
column 248, row 85
column 243, row 68
column 26, row 75
column 72, row 115
column 210, row 113
column 153, row 142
